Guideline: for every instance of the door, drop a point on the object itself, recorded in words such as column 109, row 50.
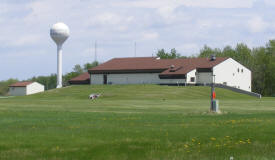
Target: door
column 105, row 79
column 204, row 77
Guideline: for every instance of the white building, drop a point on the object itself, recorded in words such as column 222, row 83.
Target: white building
column 152, row 70
column 25, row 88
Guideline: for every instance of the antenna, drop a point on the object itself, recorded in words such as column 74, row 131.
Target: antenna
column 59, row 33
column 135, row 49
column 90, row 48
column 95, row 51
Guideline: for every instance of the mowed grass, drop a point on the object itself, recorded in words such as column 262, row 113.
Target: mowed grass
column 136, row 122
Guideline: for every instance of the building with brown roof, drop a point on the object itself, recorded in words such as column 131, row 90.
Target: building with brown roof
column 152, row 70
column 25, row 88
column 81, row 79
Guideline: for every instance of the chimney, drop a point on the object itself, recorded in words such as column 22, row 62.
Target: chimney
column 212, row 57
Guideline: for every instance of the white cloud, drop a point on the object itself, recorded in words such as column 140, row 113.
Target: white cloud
column 188, row 48
column 150, row 35
column 205, row 23
column 189, row 3
column 270, row 2
column 219, row 3
column 107, row 18
column 257, row 24
column 26, row 40
column 182, row 24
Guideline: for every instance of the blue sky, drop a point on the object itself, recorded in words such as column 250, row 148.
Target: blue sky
column 27, row 50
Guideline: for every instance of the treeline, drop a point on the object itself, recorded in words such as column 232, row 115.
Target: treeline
column 49, row 81
column 4, row 86
column 260, row 60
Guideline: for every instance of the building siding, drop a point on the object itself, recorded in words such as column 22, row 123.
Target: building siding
column 96, row 79
column 17, row 91
column 204, row 77
column 191, row 74
column 227, row 73
column 34, row 88
column 135, row 78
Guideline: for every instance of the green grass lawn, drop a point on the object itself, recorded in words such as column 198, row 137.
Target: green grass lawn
column 136, row 122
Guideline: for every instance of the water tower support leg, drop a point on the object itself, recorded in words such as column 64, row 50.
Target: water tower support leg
column 59, row 67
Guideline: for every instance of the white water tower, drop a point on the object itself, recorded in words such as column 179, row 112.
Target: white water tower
column 59, row 33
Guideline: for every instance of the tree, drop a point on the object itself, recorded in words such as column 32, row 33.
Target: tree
column 244, row 55
column 207, row 52
column 67, row 77
column 88, row 66
column 270, row 47
column 228, row 51
column 48, row 81
column 4, row 86
column 166, row 55
column 78, row 69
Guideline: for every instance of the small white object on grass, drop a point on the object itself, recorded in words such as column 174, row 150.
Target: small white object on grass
column 94, row 96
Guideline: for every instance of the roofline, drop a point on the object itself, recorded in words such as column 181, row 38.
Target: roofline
column 125, row 71
column 12, row 85
column 235, row 61
column 18, row 86
column 118, row 58
column 133, row 57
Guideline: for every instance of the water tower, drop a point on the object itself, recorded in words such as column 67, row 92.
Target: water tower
column 59, row 33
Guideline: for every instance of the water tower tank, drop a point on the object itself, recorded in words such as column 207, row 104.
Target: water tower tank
column 59, row 33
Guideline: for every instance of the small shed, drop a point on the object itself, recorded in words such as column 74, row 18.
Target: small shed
column 25, row 88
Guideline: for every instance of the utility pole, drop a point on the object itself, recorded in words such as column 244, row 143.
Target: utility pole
column 214, row 106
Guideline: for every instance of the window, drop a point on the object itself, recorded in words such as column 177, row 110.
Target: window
column 233, row 74
column 192, row 79
column 242, row 70
column 224, row 83
column 238, row 70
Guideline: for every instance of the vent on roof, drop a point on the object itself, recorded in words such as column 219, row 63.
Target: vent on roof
column 172, row 68
column 212, row 57
column 158, row 58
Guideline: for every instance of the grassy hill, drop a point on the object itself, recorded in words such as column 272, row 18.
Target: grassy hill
column 136, row 122
column 139, row 92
